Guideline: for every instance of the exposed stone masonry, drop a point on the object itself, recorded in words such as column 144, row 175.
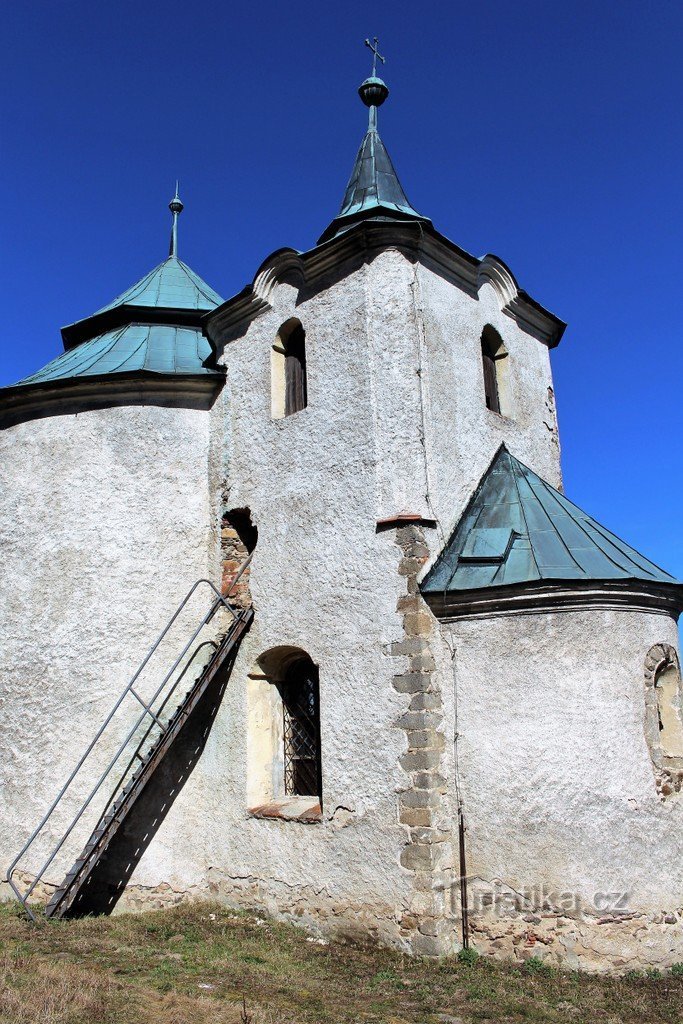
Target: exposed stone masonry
column 422, row 805
column 668, row 770
column 238, row 539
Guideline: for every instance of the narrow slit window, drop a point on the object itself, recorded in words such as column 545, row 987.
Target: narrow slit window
column 289, row 382
column 296, row 397
column 301, row 709
column 494, row 360
column 490, row 381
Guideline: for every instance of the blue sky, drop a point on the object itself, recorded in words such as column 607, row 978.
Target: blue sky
column 547, row 134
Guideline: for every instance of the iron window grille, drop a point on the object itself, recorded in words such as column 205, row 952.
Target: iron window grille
column 301, row 709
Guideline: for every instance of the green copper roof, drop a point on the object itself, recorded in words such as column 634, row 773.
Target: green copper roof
column 171, row 285
column 519, row 529
column 171, row 293
column 374, row 191
column 152, row 348
column 152, row 327
column 374, row 182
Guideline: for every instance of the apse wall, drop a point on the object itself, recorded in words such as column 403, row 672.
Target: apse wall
column 105, row 522
column 573, row 852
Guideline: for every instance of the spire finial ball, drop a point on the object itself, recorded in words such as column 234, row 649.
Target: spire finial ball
column 175, row 206
column 373, row 92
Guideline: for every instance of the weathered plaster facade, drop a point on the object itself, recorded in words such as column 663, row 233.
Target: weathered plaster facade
column 560, row 790
column 106, row 522
column 539, row 727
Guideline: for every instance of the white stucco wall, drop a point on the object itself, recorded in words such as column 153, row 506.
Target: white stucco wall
column 559, row 788
column 462, row 434
column 108, row 517
column 322, row 579
column 104, row 525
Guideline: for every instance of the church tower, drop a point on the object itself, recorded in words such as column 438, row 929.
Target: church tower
column 456, row 715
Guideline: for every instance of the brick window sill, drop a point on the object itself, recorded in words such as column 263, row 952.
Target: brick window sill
column 304, row 809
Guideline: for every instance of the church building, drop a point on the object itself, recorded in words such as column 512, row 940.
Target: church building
column 297, row 616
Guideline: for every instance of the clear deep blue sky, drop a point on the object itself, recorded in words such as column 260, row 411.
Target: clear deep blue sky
column 547, row 134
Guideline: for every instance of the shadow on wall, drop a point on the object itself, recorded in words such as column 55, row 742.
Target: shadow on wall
column 110, row 876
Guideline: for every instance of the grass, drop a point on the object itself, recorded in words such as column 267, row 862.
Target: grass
column 204, row 964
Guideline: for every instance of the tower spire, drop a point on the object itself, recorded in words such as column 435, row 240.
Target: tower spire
column 373, row 91
column 176, row 208
column 374, row 191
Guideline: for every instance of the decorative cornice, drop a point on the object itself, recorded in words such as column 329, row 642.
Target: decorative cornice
column 636, row 595
column 361, row 243
column 78, row 394
column 500, row 277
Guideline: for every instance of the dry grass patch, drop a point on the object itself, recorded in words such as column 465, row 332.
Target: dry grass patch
column 194, row 965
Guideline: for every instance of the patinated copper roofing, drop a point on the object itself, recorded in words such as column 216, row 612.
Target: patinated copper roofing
column 171, row 285
column 154, row 327
column 152, row 348
column 374, row 190
column 518, row 529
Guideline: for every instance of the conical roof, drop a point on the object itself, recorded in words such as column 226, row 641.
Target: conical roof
column 374, row 190
column 374, row 182
column 154, row 327
column 171, row 285
column 518, row 529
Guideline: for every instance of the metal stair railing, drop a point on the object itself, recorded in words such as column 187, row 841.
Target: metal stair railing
column 149, row 712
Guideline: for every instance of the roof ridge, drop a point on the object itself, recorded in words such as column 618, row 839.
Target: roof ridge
column 129, row 355
column 605, row 533
column 194, row 278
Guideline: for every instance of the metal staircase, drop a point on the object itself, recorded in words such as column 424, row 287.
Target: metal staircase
column 149, row 739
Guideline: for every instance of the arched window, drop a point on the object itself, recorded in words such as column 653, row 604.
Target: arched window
column 289, row 388
column 301, row 708
column 494, row 359
column 284, row 763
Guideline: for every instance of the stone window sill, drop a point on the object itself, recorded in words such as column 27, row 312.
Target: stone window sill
column 305, row 809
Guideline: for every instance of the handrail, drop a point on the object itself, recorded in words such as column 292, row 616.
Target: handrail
column 220, row 599
column 136, row 753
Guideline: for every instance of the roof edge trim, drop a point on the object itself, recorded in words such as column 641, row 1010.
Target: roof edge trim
column 101, row 391
column 118, row 316
column 418, row 239
column 558, row 596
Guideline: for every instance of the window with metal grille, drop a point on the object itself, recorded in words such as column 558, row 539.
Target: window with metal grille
column 301, row 707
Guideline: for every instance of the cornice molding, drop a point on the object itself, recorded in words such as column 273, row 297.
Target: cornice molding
column 419, row 241
column 80, row 394
column 564, row 596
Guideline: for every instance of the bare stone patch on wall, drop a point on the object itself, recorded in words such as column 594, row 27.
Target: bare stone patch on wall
column 664, row 718
column 238, row 541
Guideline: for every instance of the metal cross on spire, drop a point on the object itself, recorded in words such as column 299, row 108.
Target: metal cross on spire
column 374, row 46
